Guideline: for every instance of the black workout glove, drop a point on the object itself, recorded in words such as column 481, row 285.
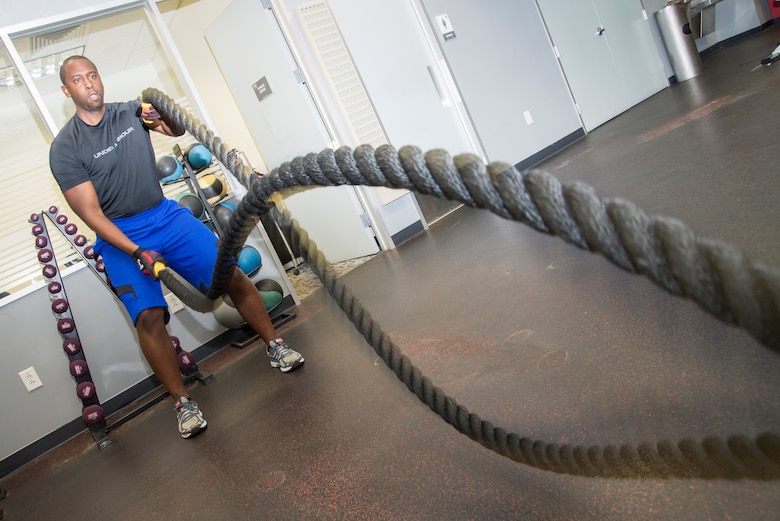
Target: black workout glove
column 150, row 262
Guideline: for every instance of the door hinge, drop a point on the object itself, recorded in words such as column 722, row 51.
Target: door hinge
column 557, row 52
column 300, row 77
column 365, row 219
column 266, row 4
column 578, row 108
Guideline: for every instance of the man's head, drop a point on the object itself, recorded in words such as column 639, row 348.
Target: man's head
column 81, row 82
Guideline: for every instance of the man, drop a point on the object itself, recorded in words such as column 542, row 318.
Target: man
column 105, row 166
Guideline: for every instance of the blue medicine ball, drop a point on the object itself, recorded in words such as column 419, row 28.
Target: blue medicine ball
column 168, row 169
column 249, row 261
column 199, row 156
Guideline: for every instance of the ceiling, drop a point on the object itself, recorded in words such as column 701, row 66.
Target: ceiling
column 116, row 43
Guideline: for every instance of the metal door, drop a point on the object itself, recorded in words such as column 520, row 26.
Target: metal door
column 507, row 74
column 632, row 48
column 281, row 115
column 607, row 53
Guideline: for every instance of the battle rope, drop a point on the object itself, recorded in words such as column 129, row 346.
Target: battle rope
column 717, row 276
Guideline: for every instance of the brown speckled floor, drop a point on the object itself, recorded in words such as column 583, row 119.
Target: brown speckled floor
column 540, row 338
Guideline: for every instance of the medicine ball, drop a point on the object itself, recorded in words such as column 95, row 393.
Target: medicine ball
column 192, row 203
column 249, row 261
column 222, row 214
column 271, row 292
column 214, row 187
column 226, row 313
column 271, row 299
column 199, row 156
column 269, row 285
column 168, row 169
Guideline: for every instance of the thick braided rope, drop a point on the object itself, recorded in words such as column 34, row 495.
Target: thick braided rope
column 712, row 274
column 733, row 458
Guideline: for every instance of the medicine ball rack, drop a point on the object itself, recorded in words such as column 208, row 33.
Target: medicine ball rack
column 244, row 336
column 92, row 410
column 188, row 175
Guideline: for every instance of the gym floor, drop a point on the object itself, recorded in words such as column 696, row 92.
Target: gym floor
column 539, row 337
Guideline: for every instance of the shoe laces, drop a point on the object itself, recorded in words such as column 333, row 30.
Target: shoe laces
column 186, row 410
column 279, row 347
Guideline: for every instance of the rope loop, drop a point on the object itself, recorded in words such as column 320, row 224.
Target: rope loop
column 717, row 276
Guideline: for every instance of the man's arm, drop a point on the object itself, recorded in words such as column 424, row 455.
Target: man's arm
column 83, row 200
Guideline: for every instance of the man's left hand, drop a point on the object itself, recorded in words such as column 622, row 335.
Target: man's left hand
column 150, row 262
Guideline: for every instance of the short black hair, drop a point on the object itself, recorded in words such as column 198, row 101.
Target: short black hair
column 70, row 59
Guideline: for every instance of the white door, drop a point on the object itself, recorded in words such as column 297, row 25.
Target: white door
column 279, row 111
column 506, row 72
column 607, row 53
column 419, row 108
column 632, row 48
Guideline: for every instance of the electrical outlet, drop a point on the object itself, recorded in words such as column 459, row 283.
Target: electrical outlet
column 174, row 304
column 30, row 379
column 528, row 118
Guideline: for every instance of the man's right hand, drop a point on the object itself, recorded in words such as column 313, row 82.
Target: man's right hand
column 150, row 262
column 149, row 114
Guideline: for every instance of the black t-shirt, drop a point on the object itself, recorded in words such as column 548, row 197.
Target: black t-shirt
column 116, row 155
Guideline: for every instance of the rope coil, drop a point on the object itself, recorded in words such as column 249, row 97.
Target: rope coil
column 715, row 275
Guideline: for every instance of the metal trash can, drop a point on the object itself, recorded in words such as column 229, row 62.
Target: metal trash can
column 680, row 45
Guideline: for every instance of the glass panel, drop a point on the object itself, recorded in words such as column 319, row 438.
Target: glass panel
column 122, row 46
column 129, row 58
column 24, row 179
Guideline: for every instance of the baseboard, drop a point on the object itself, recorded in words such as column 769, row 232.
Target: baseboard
column 407, row 233
column 728, row 41
column 548, row 151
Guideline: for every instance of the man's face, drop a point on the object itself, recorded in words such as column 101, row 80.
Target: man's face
column 83, row 85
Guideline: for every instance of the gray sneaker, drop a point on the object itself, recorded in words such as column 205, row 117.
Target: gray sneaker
column 281, row 356
column 191, row 420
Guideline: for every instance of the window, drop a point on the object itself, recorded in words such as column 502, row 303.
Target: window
column 124, row 48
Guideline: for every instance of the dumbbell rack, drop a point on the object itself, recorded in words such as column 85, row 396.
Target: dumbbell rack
column 92, row 410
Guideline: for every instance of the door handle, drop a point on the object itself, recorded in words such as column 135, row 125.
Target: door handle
column 600, row 31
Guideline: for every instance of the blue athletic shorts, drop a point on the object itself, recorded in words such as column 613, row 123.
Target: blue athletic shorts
column 187, row 245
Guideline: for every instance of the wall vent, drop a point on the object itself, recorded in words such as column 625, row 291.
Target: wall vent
column 325, row 40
